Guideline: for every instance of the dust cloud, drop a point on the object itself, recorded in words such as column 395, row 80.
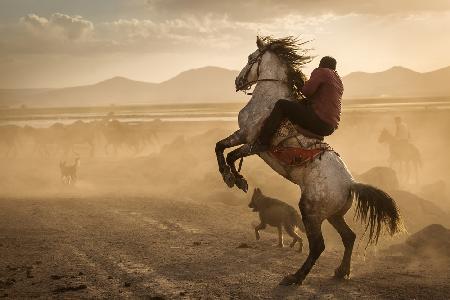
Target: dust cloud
column 149, row 214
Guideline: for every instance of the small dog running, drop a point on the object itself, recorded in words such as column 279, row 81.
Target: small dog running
column 69, row 172
column 278, row 214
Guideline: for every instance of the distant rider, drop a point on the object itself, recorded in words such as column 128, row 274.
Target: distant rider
column 401, row 130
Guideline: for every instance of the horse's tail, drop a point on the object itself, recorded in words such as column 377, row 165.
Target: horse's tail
column 377, row 209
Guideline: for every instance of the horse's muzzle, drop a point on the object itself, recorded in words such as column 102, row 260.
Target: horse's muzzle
column 238, row 84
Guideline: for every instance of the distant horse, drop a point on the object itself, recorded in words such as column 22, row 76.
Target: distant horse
column 45, row 139
column 80, row 133
column 402, row 154
column 327, row 187
column 119, row 134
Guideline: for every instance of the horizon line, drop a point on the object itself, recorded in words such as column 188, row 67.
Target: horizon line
column 193, row 69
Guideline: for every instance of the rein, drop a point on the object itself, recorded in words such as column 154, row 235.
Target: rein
column 248, row 85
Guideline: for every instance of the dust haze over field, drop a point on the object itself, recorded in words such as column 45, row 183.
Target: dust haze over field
column 109, row 115
column 156, row 219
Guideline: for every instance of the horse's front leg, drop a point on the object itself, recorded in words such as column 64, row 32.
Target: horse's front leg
column 241, row 152
column 235, row 139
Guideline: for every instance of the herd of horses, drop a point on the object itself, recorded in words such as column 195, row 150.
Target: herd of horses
column 112, row 136
column 95, row 137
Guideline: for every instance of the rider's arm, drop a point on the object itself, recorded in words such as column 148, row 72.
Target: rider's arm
column 313, row 83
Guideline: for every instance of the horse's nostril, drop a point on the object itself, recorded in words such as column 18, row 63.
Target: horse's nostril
column 237, row 83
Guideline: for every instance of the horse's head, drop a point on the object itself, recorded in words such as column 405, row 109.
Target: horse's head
column 250, row 73
column 274, row 60
column 384, row 136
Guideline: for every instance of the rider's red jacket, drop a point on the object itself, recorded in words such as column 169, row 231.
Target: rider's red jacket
column 324, row 89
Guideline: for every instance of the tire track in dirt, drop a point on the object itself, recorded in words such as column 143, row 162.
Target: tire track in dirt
column 135, row 248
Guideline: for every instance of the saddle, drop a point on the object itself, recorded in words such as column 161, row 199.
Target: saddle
column 296, row 156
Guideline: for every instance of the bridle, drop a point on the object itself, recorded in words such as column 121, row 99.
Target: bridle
column 249, row 84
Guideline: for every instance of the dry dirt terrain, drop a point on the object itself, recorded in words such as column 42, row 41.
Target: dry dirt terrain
column 162, row 224
column 110, row 247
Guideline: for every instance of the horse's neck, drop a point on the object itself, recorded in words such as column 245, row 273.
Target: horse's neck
column 271, row 91
column 391, row 139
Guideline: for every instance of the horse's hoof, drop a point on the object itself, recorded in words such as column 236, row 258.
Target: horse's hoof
column 339, row 273
column 290, row 279
column 228, row 177
column 242, row 184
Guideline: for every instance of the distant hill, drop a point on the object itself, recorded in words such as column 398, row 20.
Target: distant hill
column 209, row 84
column 117, row 90
column 13, row 97
column 213, row 85
column 398, row 82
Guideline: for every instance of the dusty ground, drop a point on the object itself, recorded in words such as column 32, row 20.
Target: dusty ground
column 163, row 224
column 111, row 247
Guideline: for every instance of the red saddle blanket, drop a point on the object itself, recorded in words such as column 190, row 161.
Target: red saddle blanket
column 295, row 156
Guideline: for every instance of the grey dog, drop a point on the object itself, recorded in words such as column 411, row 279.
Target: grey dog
column 278, row 214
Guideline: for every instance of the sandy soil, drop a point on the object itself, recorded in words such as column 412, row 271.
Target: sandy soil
column 163, row 224
column 109, row 247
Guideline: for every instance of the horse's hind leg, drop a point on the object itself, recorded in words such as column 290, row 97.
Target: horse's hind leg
column 233, row 140
column 408, row 172
column 348, row 239
column 316, row 247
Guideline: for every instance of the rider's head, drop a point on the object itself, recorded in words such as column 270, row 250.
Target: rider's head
column 398, row 120
column 328, row 62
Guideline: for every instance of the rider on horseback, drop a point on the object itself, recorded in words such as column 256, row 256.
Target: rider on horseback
column 319, row 113
column 327, row 187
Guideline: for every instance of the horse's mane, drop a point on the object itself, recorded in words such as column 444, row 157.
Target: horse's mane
column 290, row 50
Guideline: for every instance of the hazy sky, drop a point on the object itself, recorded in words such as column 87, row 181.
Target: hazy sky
column 54, row 43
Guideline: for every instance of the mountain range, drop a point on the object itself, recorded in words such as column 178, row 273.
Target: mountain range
column 216, row 85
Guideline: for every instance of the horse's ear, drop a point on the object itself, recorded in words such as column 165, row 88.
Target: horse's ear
column 259, row 43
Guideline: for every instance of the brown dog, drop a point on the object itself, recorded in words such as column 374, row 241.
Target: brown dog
column 69, row 172
column 278, row 214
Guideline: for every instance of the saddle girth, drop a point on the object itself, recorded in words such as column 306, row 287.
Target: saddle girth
column 297, row 156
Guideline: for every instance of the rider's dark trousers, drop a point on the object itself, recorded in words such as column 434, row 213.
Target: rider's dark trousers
column 298, row 112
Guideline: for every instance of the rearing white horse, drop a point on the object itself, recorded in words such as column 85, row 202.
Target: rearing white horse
column 328, row 189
